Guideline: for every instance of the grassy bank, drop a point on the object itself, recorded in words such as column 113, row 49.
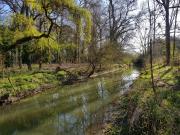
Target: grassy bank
column 25, row 82
column 140, row 113
column 22, row 83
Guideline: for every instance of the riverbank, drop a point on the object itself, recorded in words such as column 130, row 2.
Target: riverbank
column 140, row 112
column 70, row 109
column 18, row 85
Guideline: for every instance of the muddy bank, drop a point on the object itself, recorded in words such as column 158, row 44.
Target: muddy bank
column 8, row 99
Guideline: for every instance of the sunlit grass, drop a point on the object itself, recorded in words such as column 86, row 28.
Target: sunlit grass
column 160, row 111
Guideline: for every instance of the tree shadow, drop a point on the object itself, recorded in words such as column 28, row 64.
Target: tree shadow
column 166, row 72
column 177, row 86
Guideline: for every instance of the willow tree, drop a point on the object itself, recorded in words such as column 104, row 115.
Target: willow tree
column 44, row 50
column 25, row 28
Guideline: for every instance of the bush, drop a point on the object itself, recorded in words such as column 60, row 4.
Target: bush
column 61, row 75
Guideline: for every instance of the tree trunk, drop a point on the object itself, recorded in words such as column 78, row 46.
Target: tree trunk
column 20, row 57
column 92, row 71
column 29, row 66
column 40, row 64
column 174, row 40
column 151, row 64
column 77, row 39
column 168, row 49
column 112, row 21
column 150, row 46
column 27, row 57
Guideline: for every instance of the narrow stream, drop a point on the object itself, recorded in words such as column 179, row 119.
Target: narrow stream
column 68, row 110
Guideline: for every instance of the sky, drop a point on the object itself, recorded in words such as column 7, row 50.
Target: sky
column 135, row 43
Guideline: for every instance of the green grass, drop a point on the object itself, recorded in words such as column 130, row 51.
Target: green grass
column 161, row 116
column 24, row 82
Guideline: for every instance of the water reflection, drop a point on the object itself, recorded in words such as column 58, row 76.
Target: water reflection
column 66, row 111
column 103, row 93
column 127, row 81
column 68, row 124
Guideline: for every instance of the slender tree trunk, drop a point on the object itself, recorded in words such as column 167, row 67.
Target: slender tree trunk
column 174, row 40
column 2, row 64
column 20, row 57
column 112, row 21
column 40, row 64
column 151, row 64
column 168, row 49
column 16, row 57
column 150, row 45
column 29, row 65
column 77, row 39
column 27, row 57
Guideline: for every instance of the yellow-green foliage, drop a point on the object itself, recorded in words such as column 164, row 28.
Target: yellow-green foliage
column 26, row 82
column 34, row 4
column 61, row 74
column 25, row 26
column 6, row 35
column 68, row 46
column 79, row 14
column 46, row 43
column 87, row 15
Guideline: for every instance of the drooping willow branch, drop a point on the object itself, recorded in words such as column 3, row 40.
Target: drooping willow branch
column 30, row 38
column 45, row 9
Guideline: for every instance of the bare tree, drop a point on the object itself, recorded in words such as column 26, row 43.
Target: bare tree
column 175, row 27
column 167, row 5
column 121, row 19
column 151, row 23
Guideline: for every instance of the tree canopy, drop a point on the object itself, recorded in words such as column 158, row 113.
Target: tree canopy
column 36, row 19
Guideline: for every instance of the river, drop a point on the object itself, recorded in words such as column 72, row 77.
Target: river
column 68, row 110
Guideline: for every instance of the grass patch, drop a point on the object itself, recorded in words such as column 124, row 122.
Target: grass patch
column 140, row 114
column 24, row 82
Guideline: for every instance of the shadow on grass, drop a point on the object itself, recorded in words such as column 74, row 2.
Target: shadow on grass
column 166, row 72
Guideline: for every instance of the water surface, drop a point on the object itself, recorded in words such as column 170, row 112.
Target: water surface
column 68, row 110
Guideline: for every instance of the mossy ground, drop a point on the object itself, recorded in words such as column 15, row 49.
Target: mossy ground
column 140, row 112
column 24, row 82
